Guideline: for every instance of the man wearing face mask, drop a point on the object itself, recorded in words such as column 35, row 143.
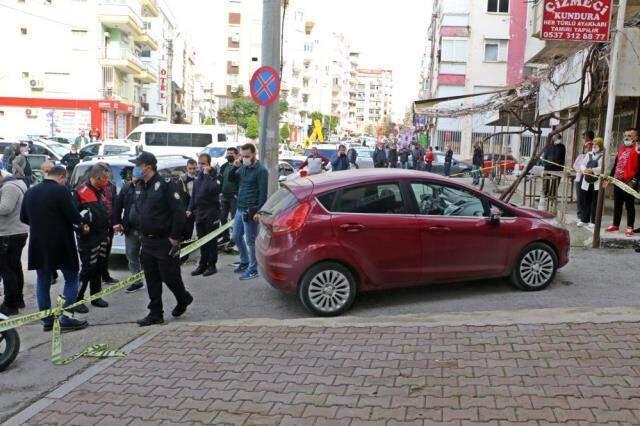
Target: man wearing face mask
column 189, row 179
column 162, row 215
column 52, row 243
column 252, row 180
column 93, row 246
column 229, row 197
column 205, row 208
column 625, row 169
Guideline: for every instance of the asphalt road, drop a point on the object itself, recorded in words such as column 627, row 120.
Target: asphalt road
column 604, row 278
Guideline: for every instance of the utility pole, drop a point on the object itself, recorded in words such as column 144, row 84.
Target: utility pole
column 270, row 115
column 614, row 61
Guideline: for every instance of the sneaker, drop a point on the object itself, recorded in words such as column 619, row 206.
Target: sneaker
column 612, row 228
column 80, row 309
column 181, row 308
column 100, row 303
column 210, row 271
column 149, row 320
column 591, row 227
column 242, row 267
column 579, row 224
column 109, row 280
column 134, row 287
column 47, row 327
column 9, row 310
column 21, row 304
column 248, row 275
column 198, row 271
column 72, row 324
column 629, row 232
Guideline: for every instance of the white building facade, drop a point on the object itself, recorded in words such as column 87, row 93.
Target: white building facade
column 84, row 68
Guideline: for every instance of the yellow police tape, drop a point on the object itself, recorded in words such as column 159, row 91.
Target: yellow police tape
column 623, row 186
column 481, row 170
column 100, row 350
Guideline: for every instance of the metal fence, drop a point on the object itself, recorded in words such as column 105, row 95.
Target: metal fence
column 450, row 137
column 501, row 141
column 527, row 143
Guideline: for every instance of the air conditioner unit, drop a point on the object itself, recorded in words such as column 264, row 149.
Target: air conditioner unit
column 234, row 63
column 32, row 112
column 235, row 38
column 36, row 84
column 234, row 88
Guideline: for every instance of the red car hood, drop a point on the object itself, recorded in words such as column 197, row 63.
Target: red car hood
column 537, row 213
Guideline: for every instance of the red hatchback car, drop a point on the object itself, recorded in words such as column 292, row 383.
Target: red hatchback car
column 330, row 236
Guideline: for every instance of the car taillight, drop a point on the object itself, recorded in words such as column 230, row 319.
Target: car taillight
column 290, row 220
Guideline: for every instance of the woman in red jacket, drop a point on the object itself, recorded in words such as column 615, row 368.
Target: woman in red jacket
column 625, row 169
column 429, row 157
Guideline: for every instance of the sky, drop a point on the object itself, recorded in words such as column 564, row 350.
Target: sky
column 388, row 33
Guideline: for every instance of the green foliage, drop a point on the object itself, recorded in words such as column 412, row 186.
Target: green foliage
column 330, row 123
column 209, row 121
column 316, row 115
column 253, row 127
column 285, row 133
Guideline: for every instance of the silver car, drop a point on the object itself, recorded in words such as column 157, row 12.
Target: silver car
column 121, row 169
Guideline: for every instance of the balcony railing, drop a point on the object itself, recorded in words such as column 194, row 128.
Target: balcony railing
column 121, row 12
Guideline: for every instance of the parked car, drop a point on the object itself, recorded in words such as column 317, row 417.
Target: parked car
column 218, row 151
column 107, row 148
column 365, row 157
column 294, row 161
column 176, row 139
column 506, row 163
column 121, row 168
column 329, row 237
column 458, row 166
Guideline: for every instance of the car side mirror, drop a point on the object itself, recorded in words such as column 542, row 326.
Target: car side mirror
column 494, row 217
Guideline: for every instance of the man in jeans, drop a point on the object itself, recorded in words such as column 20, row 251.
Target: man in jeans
column 125, row 222
column 49, row 211
column 252, row 179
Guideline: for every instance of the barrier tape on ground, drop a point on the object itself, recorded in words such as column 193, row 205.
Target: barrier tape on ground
column 482, row 170
column 99, row 350
column 623, row 186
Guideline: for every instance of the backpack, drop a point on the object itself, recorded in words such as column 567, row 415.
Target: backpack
column 592, row 164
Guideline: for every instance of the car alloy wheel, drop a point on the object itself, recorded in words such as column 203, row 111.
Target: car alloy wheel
column 536, row 267
column 327, row 289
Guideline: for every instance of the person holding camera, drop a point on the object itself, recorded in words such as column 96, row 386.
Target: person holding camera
column 162, row 213
column 253, row 180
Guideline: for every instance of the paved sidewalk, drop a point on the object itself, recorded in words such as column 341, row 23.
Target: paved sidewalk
column 573, row 373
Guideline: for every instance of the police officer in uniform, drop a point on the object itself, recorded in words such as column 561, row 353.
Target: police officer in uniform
column 161, row 218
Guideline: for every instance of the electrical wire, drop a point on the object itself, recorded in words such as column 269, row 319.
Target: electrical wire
column 15, row 9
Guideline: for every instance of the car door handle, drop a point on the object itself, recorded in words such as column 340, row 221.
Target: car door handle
column 437, row 229
column 353, row 227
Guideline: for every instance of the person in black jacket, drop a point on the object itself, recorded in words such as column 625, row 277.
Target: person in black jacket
column 71, row 159
column 477, row 163
column 161, row 213
column 125, row 221
column 393, row 154
column 205, row 208
column 448, row 159
column 49, row 211
column 555, row 156
column 379, row 157
column 93, row 245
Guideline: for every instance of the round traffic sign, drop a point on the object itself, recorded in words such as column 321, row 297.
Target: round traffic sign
column 265, row 85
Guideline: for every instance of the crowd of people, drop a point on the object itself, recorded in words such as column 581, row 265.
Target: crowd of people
column 71, row 231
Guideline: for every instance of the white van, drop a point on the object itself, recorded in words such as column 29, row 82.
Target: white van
column 176, row 139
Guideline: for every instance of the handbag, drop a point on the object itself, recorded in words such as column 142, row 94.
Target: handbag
column 592, row 164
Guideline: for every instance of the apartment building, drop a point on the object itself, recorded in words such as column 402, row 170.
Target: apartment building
column 374, row 98
column 477, row 46
column 70, row 65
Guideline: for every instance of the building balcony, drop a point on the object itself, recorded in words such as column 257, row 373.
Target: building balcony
column 121, row 14
column 124, row 60
column 148, row 75
column 147, row 39
column 151, row 7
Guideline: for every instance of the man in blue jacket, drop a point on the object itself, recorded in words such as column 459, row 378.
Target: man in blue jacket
column 252, row 180
column 340, row 162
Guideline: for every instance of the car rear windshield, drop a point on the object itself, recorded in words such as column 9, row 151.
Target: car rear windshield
column 279, row 202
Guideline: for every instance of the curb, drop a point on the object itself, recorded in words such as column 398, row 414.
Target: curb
column 482, row 318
